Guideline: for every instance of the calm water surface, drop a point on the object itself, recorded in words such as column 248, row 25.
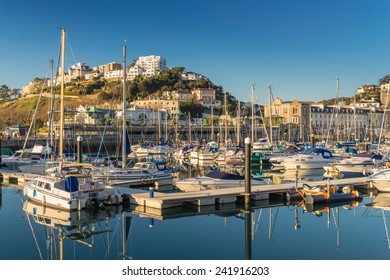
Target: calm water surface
column 271, row 231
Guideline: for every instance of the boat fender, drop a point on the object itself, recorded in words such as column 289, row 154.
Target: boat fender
column 347, row 189
column 388, row 164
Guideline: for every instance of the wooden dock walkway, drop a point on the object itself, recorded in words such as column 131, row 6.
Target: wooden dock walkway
column 164, row 200
column 231, row 195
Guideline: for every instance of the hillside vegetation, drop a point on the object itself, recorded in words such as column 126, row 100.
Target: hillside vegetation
column 97, row 92
column 102, row 93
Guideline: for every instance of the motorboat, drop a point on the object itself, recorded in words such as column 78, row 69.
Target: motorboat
column 34, row 155
column 381, row 180
column 161, row 150
column 38, row 168
column 72, row 188
column 215, row 180
column 207, row 152
column 312, row 158
column 357, row 164
column 154, row 150
column 140, row 171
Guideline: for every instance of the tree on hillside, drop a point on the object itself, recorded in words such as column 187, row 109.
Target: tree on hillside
column 4, row 92
column 177, row 70
column 15, row 93
column 7, row 93
column 193, row 107
column 384, row 80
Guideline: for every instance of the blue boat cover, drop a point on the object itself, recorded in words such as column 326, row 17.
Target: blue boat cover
column 71, row 184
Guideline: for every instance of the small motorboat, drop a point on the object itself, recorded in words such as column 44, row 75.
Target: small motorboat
column 215, row 180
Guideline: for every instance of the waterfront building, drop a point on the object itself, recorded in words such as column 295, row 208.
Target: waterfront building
column 78, row 71
column 93, row 74
column 192, row 76
column 182, row 95
column 203, row 94
column 143, row 116
column 171, row 105
column 385, row 89
column 92, row 115
column 367, row 88
column 297, row 120
column 151, row 64
column 337, row 122
column 113, row 75
column 290, row 119
column 134, row 71
column 16, row 131
column 368, row 104
column 112, row 66
column 211, row 103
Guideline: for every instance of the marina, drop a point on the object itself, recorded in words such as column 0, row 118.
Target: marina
column 186, row 183
column 278, row 231
column 162, row 200
column 149, row 222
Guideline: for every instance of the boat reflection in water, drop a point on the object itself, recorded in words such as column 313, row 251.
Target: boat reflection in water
column 307, row 175
column 379, row 206
column 80, row 227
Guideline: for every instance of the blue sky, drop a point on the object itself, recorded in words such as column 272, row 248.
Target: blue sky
column 299, row 47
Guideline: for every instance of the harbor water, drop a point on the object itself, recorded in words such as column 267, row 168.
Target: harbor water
column 271, row 230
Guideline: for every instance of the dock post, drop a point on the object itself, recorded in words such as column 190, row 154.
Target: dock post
column 248, row 171
column 79, row 148
column 151, row 192
column 297, row 167
column 248, row 234
column 312, row 140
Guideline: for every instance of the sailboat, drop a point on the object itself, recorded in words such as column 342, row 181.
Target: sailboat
column 72, row 187
column 143, row 172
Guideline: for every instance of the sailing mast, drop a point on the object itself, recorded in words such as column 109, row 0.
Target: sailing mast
column 383, row 120
column 337, row 111
column 212, row 123
column 226, row 131
column 50, row 128
column 124, row 156
column 238, row 123
column 270, row 116
column 253, row 115
column 61, row 134
column 354, row 119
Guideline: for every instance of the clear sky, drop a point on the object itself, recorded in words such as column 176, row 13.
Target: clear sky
column 297, row 46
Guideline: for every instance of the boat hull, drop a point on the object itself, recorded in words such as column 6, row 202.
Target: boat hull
column 205, row 183
column 381, row 180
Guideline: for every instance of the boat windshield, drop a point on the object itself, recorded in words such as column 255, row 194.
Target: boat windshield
column 308, row 152
column 316, row 151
